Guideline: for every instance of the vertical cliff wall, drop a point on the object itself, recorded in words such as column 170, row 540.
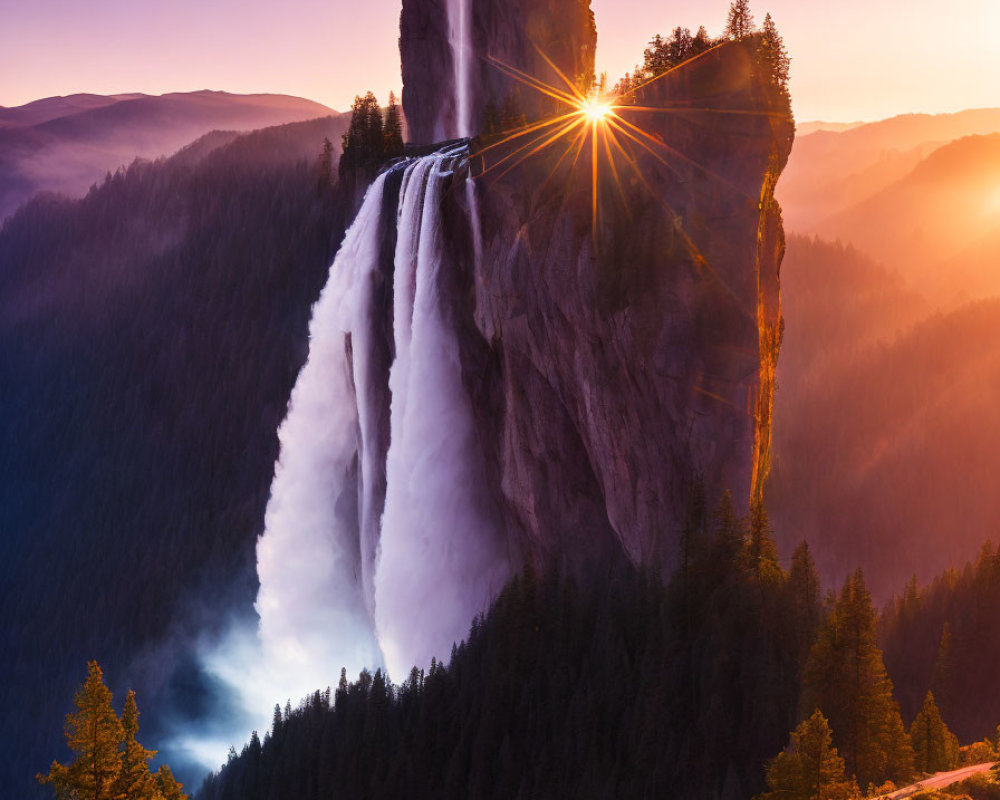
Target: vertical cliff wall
column 526, row 360
column 616, row 359
column 442, row 39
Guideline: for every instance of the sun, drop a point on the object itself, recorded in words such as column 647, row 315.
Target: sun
column 596, row 110
column 605, row 121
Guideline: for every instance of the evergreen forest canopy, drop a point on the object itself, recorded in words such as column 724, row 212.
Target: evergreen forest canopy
column 150, row 334
column 618, row 685
column 732, row 678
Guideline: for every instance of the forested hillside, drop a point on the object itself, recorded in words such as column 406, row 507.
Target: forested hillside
column 885, row 438
column 942, row 636
column 609, row 685
column 150, row 334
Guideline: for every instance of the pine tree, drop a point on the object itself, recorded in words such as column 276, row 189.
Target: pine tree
column 168, row 786
column 134, row 782
column 729, row 534
column 701, row 41
column 935, row 747
column 94, row 734
column 761, row 551
column 846, row 678
column 364, row 142
column 393, row 129
column 772, row 54
column 325, row 165
column 944, row 671
column 739, row 24
column 803, row 600
column 655, row 56
column 810, row 768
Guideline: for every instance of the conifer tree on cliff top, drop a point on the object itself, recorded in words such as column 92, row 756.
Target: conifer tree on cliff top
column 393, row 129
column 772, row 54
column 364, row 141
column 739, row 24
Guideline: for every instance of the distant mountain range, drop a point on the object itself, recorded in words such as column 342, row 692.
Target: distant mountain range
column 829, row 170
column 66, row 144
column 935, row 221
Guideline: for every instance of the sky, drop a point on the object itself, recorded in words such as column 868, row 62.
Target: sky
column 852, row 59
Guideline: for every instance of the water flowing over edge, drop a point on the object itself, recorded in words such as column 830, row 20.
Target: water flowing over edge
column 352, row 573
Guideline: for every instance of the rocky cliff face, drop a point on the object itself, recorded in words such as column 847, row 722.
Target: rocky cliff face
column 615, row 358
column 442, row 40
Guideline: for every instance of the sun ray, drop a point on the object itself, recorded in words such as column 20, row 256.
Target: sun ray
column 572, row 86
column 673, row 151
column 686, row 63
column 525, row 146
column 552, row 138
column 714, row 396
column 526, row 129
column 602, row 119
column 574, row 143
column 605, row 135
column 535, row 83
column 682, row 109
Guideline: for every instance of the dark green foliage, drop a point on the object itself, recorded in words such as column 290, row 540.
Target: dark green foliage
column 392, row 131
column 944, row 637
column 365, row 140
column 664, row 54
column 845, row 678
column 150, row 335
column 935, row 747
column 613, row 686
column 809, row 768
column 325, row 166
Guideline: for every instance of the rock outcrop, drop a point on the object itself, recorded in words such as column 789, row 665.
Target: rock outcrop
column 615, row 357
column 552, row 40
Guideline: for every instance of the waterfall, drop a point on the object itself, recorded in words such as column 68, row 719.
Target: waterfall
column 442, row 556
column 311, row 604
column 347, row 577
column 459, row 37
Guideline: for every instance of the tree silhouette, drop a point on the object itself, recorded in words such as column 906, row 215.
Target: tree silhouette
column 846, row 679
column 809, row 769
column 772, row 54
column 935, row 747
column 393, row 129
column 364, row 141
column 325, row 165
column 739, row 24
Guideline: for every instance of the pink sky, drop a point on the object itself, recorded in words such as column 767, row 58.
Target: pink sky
column 852, row 59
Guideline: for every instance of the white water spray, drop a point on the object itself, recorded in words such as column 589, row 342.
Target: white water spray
column 349, row 578
column 311, row 603
column 442, row 556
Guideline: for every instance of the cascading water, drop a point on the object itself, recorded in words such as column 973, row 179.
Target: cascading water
column 442, row 555
column 460, row 39
column 348, row 578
